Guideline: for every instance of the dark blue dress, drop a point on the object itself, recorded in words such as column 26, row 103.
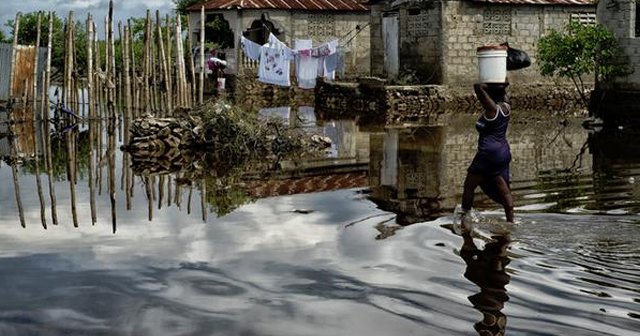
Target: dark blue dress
column 494, row 154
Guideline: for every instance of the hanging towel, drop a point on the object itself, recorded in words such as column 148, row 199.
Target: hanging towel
column 306, row 66
column 250, row 48
column 331, row 61
column 274, row 66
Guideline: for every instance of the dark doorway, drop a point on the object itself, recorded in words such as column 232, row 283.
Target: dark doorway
column 260, row 29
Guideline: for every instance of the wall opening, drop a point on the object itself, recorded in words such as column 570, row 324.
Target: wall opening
column 260, row 29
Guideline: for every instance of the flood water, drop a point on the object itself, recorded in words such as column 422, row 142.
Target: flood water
column 357, row 243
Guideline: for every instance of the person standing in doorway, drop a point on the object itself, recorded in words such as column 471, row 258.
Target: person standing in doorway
column 490, row 166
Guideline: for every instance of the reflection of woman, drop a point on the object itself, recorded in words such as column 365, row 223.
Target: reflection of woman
column 486, row 268
column 490, row 166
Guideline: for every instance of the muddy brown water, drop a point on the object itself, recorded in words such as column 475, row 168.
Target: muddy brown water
column 356, row 243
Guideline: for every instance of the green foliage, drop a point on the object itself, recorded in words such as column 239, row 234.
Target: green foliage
column 182, row 5
column 3, row 37
column 578, row 51
column 218, row 32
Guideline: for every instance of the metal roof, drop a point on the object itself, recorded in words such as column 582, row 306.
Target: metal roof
column 327, row 5
column 540, row 2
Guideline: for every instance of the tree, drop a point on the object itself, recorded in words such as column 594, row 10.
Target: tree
column 182, row 5
column 3, row 37
column 581, row 50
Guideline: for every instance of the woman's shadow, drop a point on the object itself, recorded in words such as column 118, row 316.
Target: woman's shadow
column 487, row 269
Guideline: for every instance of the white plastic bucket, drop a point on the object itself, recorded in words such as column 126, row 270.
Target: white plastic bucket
column 221, row 83
column 492, row 64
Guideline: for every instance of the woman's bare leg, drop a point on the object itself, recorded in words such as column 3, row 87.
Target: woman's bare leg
column 471, row 182
column 507, row 198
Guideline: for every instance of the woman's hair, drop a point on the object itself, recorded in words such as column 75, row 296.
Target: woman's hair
column 498, row 92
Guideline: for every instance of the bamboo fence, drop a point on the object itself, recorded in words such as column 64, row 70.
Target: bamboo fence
column 162, row 81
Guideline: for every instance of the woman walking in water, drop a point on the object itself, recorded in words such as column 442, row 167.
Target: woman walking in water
column 490, row 167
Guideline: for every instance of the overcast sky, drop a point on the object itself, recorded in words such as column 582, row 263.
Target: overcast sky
column 123, row 9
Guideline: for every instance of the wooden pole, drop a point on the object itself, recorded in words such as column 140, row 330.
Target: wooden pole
column 127, row 82
column 35, row 64
column 14, row 54
column 164, row 64
column 44, row 97
column 145, row 62
column 36, row 146
column 170, row 62
column 134, row 87
column 96, row 70
column 180, row 62
column 112, row 60
column 111, row 162
column 202, row 71
column 203, row 199
column 71, row 171
column 16, row 181
column 192, row 65
column 68, row 66
column 154, row 71
column 92, row 186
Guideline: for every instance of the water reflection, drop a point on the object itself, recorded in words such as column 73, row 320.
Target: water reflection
column 416, row 172
column 294, row 251
column 486, row 268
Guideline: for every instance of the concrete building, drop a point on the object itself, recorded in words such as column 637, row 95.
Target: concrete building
column 319, row 20
column 618, row 101
column 622, row 17
column 436, row 40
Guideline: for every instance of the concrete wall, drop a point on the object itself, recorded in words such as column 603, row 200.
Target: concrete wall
column 621, row 20
column 296, row 25
column 455, row 28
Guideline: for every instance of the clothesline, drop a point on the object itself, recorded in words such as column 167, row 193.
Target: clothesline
column 311, row 62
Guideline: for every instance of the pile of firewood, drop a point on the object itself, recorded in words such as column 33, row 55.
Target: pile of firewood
column 226, row 133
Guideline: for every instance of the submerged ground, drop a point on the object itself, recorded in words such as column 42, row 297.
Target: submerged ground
column 360, row 246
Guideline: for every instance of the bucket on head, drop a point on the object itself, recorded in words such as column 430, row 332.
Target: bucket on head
column 221, row 83
column 492, row 64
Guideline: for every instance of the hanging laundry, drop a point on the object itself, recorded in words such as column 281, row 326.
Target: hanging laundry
column 275, row 43
column 250, row 48
column 306, row 66
column 331, row 61
column 275, row 66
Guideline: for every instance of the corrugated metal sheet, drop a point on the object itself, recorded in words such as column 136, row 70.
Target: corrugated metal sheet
column 327, row 5
column 24, row 63
column 540, row 2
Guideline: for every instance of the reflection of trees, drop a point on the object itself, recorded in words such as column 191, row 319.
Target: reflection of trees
column 60, row 156
column 487, row 269
column 564, row 189
column 226, row 194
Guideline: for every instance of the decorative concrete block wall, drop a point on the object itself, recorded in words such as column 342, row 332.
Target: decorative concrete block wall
column 468, row 26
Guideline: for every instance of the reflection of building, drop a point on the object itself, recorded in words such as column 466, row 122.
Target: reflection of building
column 318, row 20
column 407, row 173
column 616, row 168
column 418, row 173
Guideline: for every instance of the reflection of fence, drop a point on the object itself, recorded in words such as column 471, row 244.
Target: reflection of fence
column 23, row 73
